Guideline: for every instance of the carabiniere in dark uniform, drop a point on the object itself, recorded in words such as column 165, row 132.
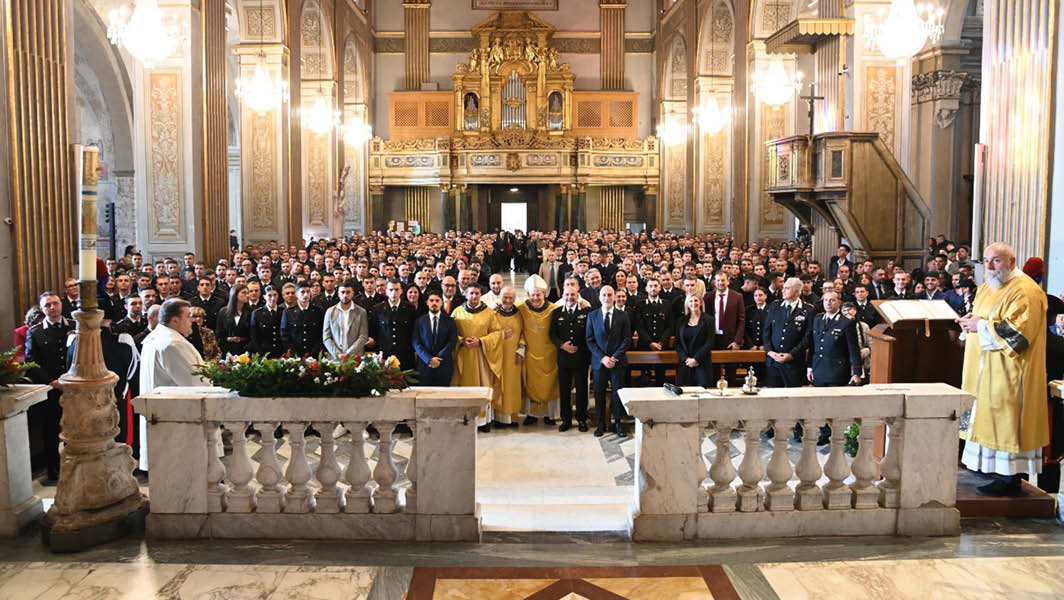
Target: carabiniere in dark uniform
column 785, row 331
column 266, row 332
column 571, row 326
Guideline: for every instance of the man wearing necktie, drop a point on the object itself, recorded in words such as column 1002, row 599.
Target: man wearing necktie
column 568, row 331
column 654, row 324
column 435, row 337
column 550, row 271
column 728, row 317
column 836, row 357
column 46, row 345
column 609, row 334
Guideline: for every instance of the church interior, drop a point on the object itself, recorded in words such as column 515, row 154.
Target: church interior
column 774, row 142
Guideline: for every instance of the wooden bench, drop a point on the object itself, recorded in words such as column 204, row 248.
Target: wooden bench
column 644, row 358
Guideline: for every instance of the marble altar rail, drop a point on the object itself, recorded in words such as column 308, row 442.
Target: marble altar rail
column 194, row 494
column 912, row 491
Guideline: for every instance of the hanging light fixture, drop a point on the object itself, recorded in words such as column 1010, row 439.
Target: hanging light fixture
column 711, row 117
column 357, row 133
column 142, row 30
column 673, row 131
column 321, row 118
column 261, row 93
column 773, row 86
column 904, row 29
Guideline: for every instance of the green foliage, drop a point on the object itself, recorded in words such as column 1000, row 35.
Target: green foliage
column 258, row 376
column 851, row 439
column 11, row 370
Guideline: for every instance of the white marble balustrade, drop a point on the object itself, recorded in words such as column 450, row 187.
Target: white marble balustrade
column 912, row 491
column 18, row 504
column 194, row 493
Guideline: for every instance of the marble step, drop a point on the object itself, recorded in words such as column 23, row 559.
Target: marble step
column 613, row 517
column 554, row 495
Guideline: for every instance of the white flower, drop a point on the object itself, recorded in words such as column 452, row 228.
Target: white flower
column 374, row 393
column 317, row 380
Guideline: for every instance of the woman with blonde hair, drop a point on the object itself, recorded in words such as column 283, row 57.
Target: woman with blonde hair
column 211, row 351
column 694, row 342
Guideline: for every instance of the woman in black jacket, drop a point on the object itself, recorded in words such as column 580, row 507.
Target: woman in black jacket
column 694, row 340
column 233, row 327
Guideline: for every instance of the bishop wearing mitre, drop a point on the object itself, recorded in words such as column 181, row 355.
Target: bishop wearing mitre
column 1005, row 369
column 541, row 355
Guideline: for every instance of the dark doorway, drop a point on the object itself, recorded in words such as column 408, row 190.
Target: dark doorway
column 494, row 197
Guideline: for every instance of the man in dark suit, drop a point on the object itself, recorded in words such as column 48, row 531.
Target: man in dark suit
column 452, row 299
column 568, row 331
column 901, row 290
column 609, row 334
column 654, row 324
column 301, row 325
column 728, row 315
column 391, row 327
column 206, row 300
column 842, row 258
column 435, row 337
column 784, row 336
column 46, row 345
column 591, row 292
column 866, row 313
column 135, row 323
column 932, row 289
column 755, row 320
column 71, row 296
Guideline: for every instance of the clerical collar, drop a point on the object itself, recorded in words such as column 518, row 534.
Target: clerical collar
column 503, row 311
column 479, row 308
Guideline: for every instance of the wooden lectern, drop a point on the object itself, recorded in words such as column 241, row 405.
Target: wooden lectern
column 918, row 342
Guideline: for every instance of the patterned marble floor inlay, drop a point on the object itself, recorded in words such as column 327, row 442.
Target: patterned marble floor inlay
column 571, row 583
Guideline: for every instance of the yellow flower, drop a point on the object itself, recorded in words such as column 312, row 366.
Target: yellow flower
column 392, row 362
column 243, row 359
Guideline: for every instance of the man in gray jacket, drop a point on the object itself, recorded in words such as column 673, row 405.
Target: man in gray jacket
column 346, row 328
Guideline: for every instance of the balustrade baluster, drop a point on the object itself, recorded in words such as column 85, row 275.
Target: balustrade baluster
column 270, row 497
column 810, row 497
column 328, row 499
column 722, row 472
column 890, row 486
column 779, row 496
column 385, row 499
column 241, row 496
column 299, row 498
column 410, row 497
column 865, row 468
column 836, row 494
column 750, row 469
column 703, row 472
column 215, row 469
column 359, row 497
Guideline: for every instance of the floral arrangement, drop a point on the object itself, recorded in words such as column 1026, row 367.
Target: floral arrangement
column 259, row 376
column 11, row 370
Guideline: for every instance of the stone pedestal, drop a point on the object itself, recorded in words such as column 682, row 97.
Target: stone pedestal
column 97, row 499
column 18, row 504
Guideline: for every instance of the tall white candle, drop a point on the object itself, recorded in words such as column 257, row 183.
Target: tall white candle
column 87, row 158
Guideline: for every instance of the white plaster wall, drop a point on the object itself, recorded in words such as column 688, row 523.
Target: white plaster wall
column 388, row 15
column 639, row 77
column 586, row 69
column 389, row 78
column 572, row 15
column 441, row 66
column 639, row 16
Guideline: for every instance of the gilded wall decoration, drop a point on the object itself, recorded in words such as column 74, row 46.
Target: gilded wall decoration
column 542, row 160
column 604, row 160
column 485, row 160
column 310, row 28
column 389, row 45
column 714, row 182
column 449, row 45
column 881, row 101
column 314, row 65
column 316, row 194
column 408, row 162
column 677, row 83
column 261, row 22
column 772, row 127
column 639, row 46
column 263, row 172
column 353, row 188
column 352, row 81
column 515, row 4
column 164, row 124
column 774, row 16
column 675, row 192
column 717, row 49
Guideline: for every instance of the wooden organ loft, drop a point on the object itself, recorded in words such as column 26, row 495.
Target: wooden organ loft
column 845, row 181
column 513, row 117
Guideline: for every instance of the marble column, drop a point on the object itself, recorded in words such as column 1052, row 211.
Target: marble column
column 1016, row 133
column 650, row 193
column 264, row 148
column 935, row 145
column 355, row 161
column 416, row 199
column 611, row 56
column 713, row 207
column 318, row 158
column 416, row 42
column 878, row 97
column 212, row 238
column 376, row 208
column 767, row 218
column 611, row 207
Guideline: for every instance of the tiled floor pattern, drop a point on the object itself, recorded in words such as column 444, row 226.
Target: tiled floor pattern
column 590, row 583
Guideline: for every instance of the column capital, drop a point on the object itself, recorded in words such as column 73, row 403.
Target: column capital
column 613, row 3
column 417, row 3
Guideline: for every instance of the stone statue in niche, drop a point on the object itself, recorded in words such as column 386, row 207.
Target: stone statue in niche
column 474, row 60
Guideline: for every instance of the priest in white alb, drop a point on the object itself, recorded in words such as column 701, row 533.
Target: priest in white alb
column 167, row 357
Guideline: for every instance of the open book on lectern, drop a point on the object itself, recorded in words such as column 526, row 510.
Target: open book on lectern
column 914, row 310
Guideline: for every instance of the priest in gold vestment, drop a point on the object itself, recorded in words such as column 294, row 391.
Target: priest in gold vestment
column 506, row 401
column 478, row 358
column 541, row 355
column 1005, row 369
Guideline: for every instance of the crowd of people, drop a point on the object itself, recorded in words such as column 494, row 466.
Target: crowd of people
column 440, row 303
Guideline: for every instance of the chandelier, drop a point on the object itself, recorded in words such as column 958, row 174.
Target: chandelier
column 773, row 86
column 140, row 28
column 321, row 118
column 904, row 30
column 673, row 131
column 711, row 117
column 260, row 92
column 357, row 133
